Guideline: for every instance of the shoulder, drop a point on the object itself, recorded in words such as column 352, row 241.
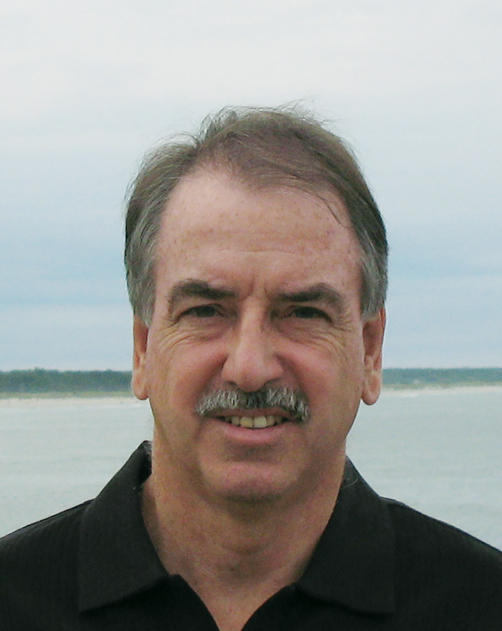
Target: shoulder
column 38, row 565
column 40, row 537
column 427, row 535
column 445, row 565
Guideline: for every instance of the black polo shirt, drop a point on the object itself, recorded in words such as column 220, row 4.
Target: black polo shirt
column 379, row 565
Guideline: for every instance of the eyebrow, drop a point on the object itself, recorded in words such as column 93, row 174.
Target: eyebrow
column 321, row 292
column 193, row 288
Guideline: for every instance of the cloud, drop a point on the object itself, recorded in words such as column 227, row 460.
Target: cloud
column 66, row 337
column 64, row 52
column 444, row 321
column 89, row 86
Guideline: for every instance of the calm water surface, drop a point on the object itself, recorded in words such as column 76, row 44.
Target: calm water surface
column 439, row 451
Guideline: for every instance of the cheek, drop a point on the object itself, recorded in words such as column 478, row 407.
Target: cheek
column 180, row 370
column 343, row 355
column 332, row 378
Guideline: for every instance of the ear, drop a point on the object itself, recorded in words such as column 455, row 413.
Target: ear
column 140, row 337
column 373, row 331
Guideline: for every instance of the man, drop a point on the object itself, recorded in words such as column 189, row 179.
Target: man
column 256, row 266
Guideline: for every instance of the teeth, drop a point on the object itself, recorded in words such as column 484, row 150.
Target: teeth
column 246, row 421
column 258, row 422
column 273, row 420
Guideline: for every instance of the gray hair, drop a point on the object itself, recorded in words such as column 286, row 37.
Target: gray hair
column 291, row 401
column 264, row 148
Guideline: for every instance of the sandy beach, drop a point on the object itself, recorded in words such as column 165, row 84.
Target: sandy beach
column 68, row 401
column 429, row 390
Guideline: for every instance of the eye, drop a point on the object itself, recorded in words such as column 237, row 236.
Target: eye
column 201, row 311
column 309, row 313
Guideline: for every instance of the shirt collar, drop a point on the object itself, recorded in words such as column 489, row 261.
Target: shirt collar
column 116, row 555
column 353, row 563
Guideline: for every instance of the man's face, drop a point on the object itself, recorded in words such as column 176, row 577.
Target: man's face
column 254, row 288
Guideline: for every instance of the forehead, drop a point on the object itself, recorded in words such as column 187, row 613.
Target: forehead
column 209, row 196
column 212, row 212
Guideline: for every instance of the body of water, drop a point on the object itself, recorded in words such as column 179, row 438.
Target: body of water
column 439, row 451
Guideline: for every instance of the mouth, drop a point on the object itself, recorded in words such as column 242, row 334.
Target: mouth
column 261, row 409
column 254, row 422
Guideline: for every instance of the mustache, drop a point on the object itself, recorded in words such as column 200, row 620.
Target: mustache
column 293, row 402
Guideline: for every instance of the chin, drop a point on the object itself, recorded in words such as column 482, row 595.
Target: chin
column 251, row 487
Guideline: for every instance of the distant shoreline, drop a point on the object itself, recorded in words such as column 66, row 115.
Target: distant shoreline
column 126, row 398
column 101, row 394
column 32, row 401
column 39, row 383
column 440, row 386
column 451, row 389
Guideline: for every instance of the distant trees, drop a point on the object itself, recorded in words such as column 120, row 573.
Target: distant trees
column 441, row 377
column 39, row 381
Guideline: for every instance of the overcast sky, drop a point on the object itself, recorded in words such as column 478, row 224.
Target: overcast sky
column 88, row 86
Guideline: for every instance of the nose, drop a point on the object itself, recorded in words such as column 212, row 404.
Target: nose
column 252, row 360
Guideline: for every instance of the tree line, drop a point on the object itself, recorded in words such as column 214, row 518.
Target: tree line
column 41, row 381
column 441, row 377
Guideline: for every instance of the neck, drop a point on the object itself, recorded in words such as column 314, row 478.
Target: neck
column 235, row 555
